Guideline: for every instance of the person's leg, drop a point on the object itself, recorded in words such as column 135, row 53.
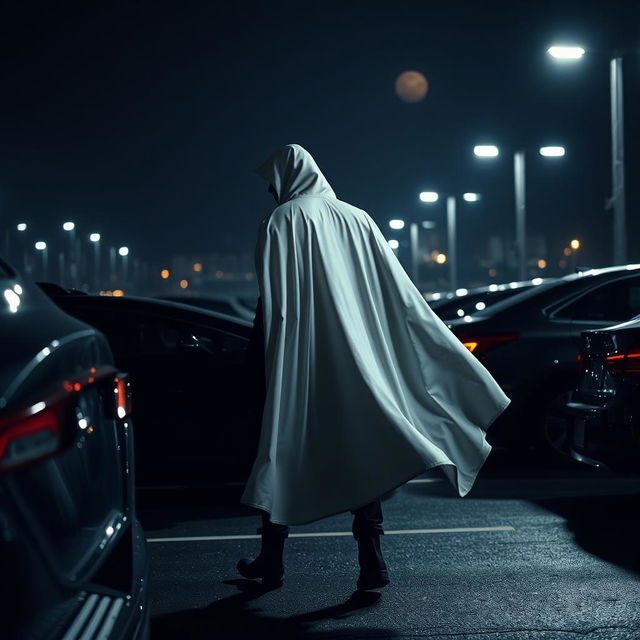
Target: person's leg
column 268, row 565
column 367, row 529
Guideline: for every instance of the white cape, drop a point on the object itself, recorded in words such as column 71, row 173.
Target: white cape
column 366, row 386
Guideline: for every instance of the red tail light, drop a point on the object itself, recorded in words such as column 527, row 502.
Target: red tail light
column 624, row 364
column 44, row 428
column 480, row 345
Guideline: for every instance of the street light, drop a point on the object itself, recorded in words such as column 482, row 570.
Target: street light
column 428, row 196
column 70, row 227
column 486, row 151
column 95, row 238
column 451, row 256
column 394, row 244
column 617, row 200
column 519, row 179
column 42, row 246
column 123, row 252
column 396, row 224
column 566, row 52
column 21, row 226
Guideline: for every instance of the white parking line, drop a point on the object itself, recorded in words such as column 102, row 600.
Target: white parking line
column 334, row 534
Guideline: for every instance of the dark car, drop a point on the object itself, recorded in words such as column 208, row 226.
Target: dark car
column 465, row 302
column 604, row 412
column 73, row 554
column 530, row 342
column 187, row 368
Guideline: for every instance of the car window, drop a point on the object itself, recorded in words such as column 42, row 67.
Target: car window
column 614, row 301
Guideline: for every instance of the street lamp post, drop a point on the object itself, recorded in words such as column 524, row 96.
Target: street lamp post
column 95, row 239
column 617, row 200
column 519, row 184
column 124, row 254
column 70, row 227
column 452, row 240
column 42, row 247
column 22, row 228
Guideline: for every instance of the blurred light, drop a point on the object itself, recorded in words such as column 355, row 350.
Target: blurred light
column 164, row 274
column 493, row 287
column 552, row 152
column 396, row 224
column 184, row 284
column 536, row 281
column 40, row 246
column 394, row 244
column 436, row 296
column 428, row 196
column 82, row 423
column 94, row 237
column 462, row 292
column 480, row 306
column 468, row 319
column 123, row 251
column 22, row 226
column 69, row 226
column 219, row 274
column 441, row 258
column 18, row 289
column 575, row 244
column 471, row 197
column 248, row 275
column 566, row 53
column 513, row 285
column 566, row 251
column 485, row 150
column 460, row 312
column 542, row 263
column 493, row 272
column 13, row 300
column 428, row 224
column 118, row 293
column 197, row 267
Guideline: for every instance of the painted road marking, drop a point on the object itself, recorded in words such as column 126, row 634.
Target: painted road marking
column 335, row 534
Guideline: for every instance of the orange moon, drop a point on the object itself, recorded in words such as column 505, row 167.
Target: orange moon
column 411, row 86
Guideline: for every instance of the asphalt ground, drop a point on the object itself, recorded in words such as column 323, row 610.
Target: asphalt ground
column 532, row 553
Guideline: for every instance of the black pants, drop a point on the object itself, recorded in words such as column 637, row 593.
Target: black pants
column 367, row 520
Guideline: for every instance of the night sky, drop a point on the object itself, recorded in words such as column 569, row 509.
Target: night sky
column 145, row 121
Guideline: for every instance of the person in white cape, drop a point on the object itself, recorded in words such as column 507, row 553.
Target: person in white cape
column 365, row 387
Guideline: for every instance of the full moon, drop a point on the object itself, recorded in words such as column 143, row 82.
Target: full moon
column 411, row 86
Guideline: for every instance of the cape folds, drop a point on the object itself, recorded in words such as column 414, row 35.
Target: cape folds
column 366, row 386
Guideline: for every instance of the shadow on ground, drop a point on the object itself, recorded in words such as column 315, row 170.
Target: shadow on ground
column 237, row 616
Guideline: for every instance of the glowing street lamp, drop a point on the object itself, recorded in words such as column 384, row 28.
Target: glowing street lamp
column 566, row 53
column 471, row 197
column 21, row 226
column 617, row 200
column 42, row 247
column 394, row 244
column 575, row 244
column 486, row 151
column 428, row 196
column 552, row 152
column 95, row 239
column 123, row 252
column 396, row 224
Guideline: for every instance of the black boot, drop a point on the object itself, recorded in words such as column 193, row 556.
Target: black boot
column 373, row 570
column 268, row 565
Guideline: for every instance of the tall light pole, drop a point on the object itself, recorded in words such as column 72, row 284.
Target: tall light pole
column 124, row 254
column 70, row 228
column 42, row 247
column 95, row 239
column 452, row 241
column 519, row 184
column 21, row 227
column 617, row 200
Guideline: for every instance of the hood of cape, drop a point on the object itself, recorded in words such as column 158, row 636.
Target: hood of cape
column 293, row 172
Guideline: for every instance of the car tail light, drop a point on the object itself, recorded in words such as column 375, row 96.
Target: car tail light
column 624, row 363
column 480, row 345
column 32, row 434
column 46, row 427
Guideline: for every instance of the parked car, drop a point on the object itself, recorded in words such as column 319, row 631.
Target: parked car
column 73, row 554
column 191, row 393
column 465, row 302
column 604, row 412
column 230, row 305
column 530, row 342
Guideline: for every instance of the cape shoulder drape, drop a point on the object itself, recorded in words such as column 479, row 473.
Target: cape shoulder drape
column 365, row 386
